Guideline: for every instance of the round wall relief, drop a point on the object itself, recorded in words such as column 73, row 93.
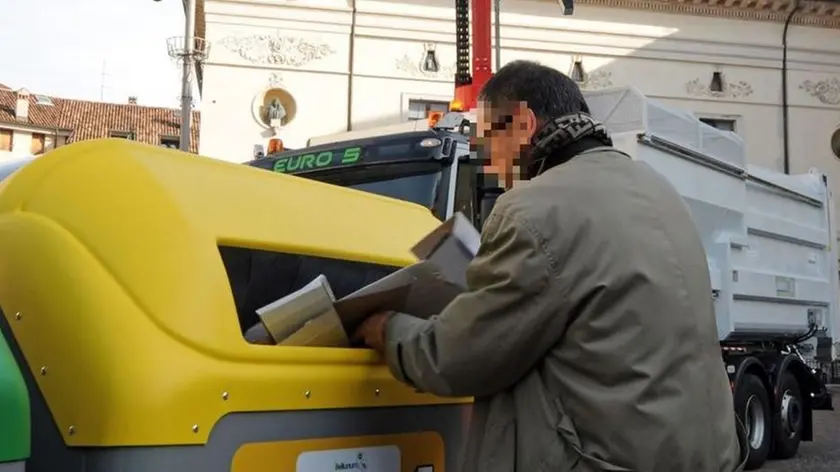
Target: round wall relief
column 835, row 143
column 274, row 108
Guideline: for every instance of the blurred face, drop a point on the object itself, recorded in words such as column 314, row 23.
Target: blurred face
column 502, row 132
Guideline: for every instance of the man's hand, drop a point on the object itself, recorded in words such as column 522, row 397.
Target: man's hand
column 372, row 330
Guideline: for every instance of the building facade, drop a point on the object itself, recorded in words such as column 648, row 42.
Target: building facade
column 31, row 124
column 338, row 65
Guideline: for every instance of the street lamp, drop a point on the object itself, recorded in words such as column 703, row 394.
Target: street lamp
column 184, row 50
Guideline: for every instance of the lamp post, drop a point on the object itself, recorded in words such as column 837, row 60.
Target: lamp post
column 183, row 50
column 186, row 74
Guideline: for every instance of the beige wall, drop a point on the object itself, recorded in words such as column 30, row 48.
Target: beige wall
column 661, row 54
column 22, row 141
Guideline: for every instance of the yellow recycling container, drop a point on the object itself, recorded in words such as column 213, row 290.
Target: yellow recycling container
column 127, row 272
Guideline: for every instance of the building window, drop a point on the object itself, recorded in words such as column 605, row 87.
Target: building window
column 121, row 134
column 420, row 109
column 6, row 136
column 171, row 142
column 39, row 144
column 43, row 100
column 722, row 124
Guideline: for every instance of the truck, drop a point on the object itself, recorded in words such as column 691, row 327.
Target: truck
column 769, row 239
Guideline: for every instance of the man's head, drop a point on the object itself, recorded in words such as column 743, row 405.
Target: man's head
column 515, row 103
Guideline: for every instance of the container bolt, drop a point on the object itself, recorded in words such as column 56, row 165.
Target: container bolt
column 195, row 428
column 307, row 394
column 225, row 395
column 18, row 316
column 376, row 392
column 71, row 430
column 44, row 370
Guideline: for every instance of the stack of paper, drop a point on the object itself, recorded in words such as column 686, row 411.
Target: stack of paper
column 312, row 317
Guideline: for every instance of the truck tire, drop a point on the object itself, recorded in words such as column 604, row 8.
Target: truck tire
column 752, row 405
column 789, row 419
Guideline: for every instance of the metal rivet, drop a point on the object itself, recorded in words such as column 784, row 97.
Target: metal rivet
column 195, row 428
column 376, row 392
column 307, row 394
column 71, row 430
column 18, row 316
column 225, row 395
column 44, row 370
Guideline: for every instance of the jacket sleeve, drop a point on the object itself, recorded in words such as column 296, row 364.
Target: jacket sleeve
column 493, row 334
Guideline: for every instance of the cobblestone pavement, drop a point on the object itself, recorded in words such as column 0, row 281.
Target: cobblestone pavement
column 821, row 455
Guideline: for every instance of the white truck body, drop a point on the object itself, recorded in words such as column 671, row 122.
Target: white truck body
column 769, row 237
column 404, row 127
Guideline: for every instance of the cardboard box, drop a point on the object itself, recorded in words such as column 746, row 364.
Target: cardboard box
column 423, row 289
column 419, row 290
column 450, row 247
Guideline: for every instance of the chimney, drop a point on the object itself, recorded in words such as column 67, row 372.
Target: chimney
column 22, row 105
column 132, row 100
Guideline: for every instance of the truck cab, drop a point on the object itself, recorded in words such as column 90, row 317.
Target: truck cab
column 432, row 168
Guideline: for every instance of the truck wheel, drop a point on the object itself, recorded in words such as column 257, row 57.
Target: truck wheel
column 752, row 405
column 789, row 421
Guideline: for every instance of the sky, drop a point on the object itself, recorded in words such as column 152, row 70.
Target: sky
column 61, row 47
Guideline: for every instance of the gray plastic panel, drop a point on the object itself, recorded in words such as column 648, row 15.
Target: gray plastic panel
column 17, row 466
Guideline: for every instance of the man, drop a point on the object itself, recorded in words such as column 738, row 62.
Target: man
column 588, row 335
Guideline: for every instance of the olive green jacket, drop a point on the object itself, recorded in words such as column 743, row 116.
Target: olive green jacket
column 588, row 334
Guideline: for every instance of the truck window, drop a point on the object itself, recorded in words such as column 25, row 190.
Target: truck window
column 410, row 166
column 415, row 182
column 465, row 191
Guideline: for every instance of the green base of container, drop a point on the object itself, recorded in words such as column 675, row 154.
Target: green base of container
column 15, row 428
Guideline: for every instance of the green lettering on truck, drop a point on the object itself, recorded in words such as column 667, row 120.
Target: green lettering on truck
column 351, row 155
column 312, row 161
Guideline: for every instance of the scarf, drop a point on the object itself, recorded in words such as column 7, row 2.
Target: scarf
column 563, row 138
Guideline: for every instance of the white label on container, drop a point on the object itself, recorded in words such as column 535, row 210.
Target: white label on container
column 363, row 459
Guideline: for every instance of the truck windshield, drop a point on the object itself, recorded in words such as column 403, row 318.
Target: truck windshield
column 412, row 166
column 416, row 182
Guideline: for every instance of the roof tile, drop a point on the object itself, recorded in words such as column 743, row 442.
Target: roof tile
column 91, row 120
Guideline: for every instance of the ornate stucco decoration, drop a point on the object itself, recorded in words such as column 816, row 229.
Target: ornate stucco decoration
column 700, row 88
column 275, row 79
column 412, row 65
column 814, row 13
column 826, row 91
column 276, row 49
column 599, row 79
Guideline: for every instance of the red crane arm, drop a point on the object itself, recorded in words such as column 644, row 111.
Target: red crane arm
column 468, row 85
